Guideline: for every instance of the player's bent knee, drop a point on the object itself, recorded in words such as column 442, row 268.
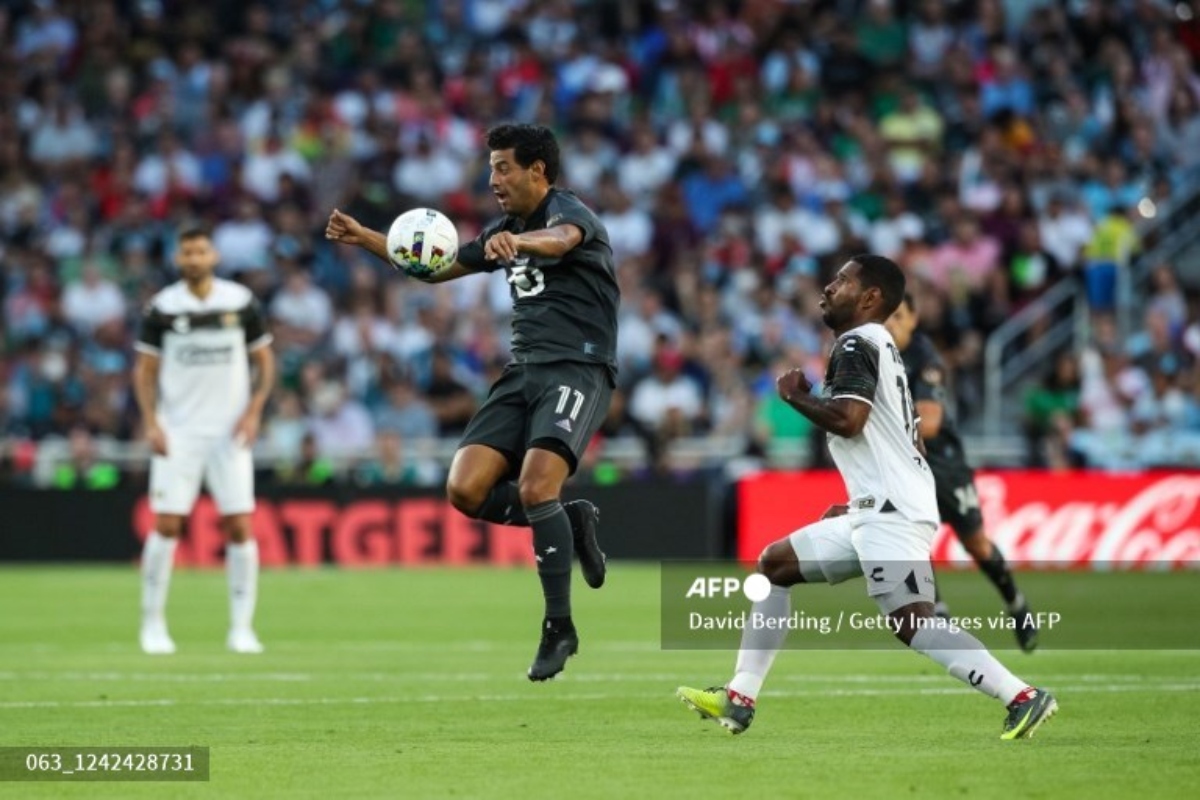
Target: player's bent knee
column 778, row 563
column 466, row 495
column 906, row 621
column 537, row 489
column 169, row 526
column 237, row 528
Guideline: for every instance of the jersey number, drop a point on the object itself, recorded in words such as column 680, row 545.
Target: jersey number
column 967, row 498
column 531, row 282
column 564, row 397
column 907, row 409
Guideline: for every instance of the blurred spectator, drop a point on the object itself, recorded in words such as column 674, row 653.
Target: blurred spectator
column 84, row 470
column 1052, row 408
column 244, row 241
column 393, row 466
column 406, row 413
column 287, row 427
column 913, row 133
column 1064, row 231
column 666, row 398
column 452, row 402
column 429, row 172
column 302, row 312
column 310, row 468
column 92, row 301
column 339, row 424
column 1114, row 242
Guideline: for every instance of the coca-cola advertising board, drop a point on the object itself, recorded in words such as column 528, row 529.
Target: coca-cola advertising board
column 1039, row 519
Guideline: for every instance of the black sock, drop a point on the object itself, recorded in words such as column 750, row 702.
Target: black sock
column 553, row 546
column 996, row 568
column 503, row 506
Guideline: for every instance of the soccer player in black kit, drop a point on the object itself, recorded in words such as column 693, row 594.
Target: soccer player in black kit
column 958, row 500
column 552, row 397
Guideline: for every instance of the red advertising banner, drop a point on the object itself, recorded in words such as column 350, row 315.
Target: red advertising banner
column 364, row 532
column 1073, row 519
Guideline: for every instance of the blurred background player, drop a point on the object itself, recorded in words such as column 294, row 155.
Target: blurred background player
column 885, row 530
column 957, row 498
column 201, row 407
column 550, row 400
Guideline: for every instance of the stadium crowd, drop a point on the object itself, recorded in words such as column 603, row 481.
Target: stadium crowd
column 737, row 152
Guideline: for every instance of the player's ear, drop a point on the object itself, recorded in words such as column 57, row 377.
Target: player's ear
column 538, row 169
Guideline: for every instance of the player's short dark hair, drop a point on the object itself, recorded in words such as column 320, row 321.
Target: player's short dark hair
column 529, row 143
column 194, row 232
column 883, row 274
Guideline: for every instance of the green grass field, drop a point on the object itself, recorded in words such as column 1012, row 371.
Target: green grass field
column 411, row 684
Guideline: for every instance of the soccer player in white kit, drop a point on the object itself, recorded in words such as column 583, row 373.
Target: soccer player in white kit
column 201, row 405
column 885, row 530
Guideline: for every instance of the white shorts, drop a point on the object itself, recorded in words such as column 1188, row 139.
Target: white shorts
column 891, row 552
column 226, row 468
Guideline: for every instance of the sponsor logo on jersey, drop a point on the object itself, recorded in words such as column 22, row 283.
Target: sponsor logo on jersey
column 194, row 355
column 229, row 319
column 181, row 324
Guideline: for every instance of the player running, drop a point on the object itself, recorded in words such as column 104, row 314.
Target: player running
column 957, row 498
column 552, row 397
column 886, row 528
column 201, row 407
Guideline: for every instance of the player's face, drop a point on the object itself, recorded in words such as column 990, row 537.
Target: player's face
column 841, row 298
column 196, row 258
column 901, row 325
column 514, row 186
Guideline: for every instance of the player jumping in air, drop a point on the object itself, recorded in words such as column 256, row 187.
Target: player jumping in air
column 958, row 501
column 544, row 409
column 201, row 407
column 885, row 530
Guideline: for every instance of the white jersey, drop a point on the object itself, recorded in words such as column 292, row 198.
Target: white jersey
column 881, row 466
column 204, row 376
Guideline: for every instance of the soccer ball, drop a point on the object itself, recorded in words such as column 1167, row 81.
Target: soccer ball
column 422, row 242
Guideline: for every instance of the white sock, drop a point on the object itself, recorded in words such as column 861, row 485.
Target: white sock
column 965, row 658
column 158, row 556
column 241, row 565
column 760, row 643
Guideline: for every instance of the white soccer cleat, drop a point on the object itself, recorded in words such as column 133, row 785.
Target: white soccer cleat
column 155, row 640
column 244, row 641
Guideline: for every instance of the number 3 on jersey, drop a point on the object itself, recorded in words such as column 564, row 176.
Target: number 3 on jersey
column 527, row 281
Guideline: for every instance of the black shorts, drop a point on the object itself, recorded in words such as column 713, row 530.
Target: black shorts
column 957, row 499
column 557, row 406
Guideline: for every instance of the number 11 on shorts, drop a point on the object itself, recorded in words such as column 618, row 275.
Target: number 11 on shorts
column 564, row 397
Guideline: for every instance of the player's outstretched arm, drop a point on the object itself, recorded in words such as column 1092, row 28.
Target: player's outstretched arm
column 345, row 229
column 841, row 416
column 553, row 242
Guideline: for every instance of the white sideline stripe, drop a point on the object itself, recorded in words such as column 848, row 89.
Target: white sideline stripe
column 575, row 696
column 465, row 677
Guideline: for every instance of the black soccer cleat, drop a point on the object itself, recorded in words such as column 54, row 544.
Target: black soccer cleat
column 585, row 519
column 559, row 642
column 1027, row 712
column 1026, row 628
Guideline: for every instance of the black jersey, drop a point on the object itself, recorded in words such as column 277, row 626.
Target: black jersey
column 565, row 309
column 927, row 381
